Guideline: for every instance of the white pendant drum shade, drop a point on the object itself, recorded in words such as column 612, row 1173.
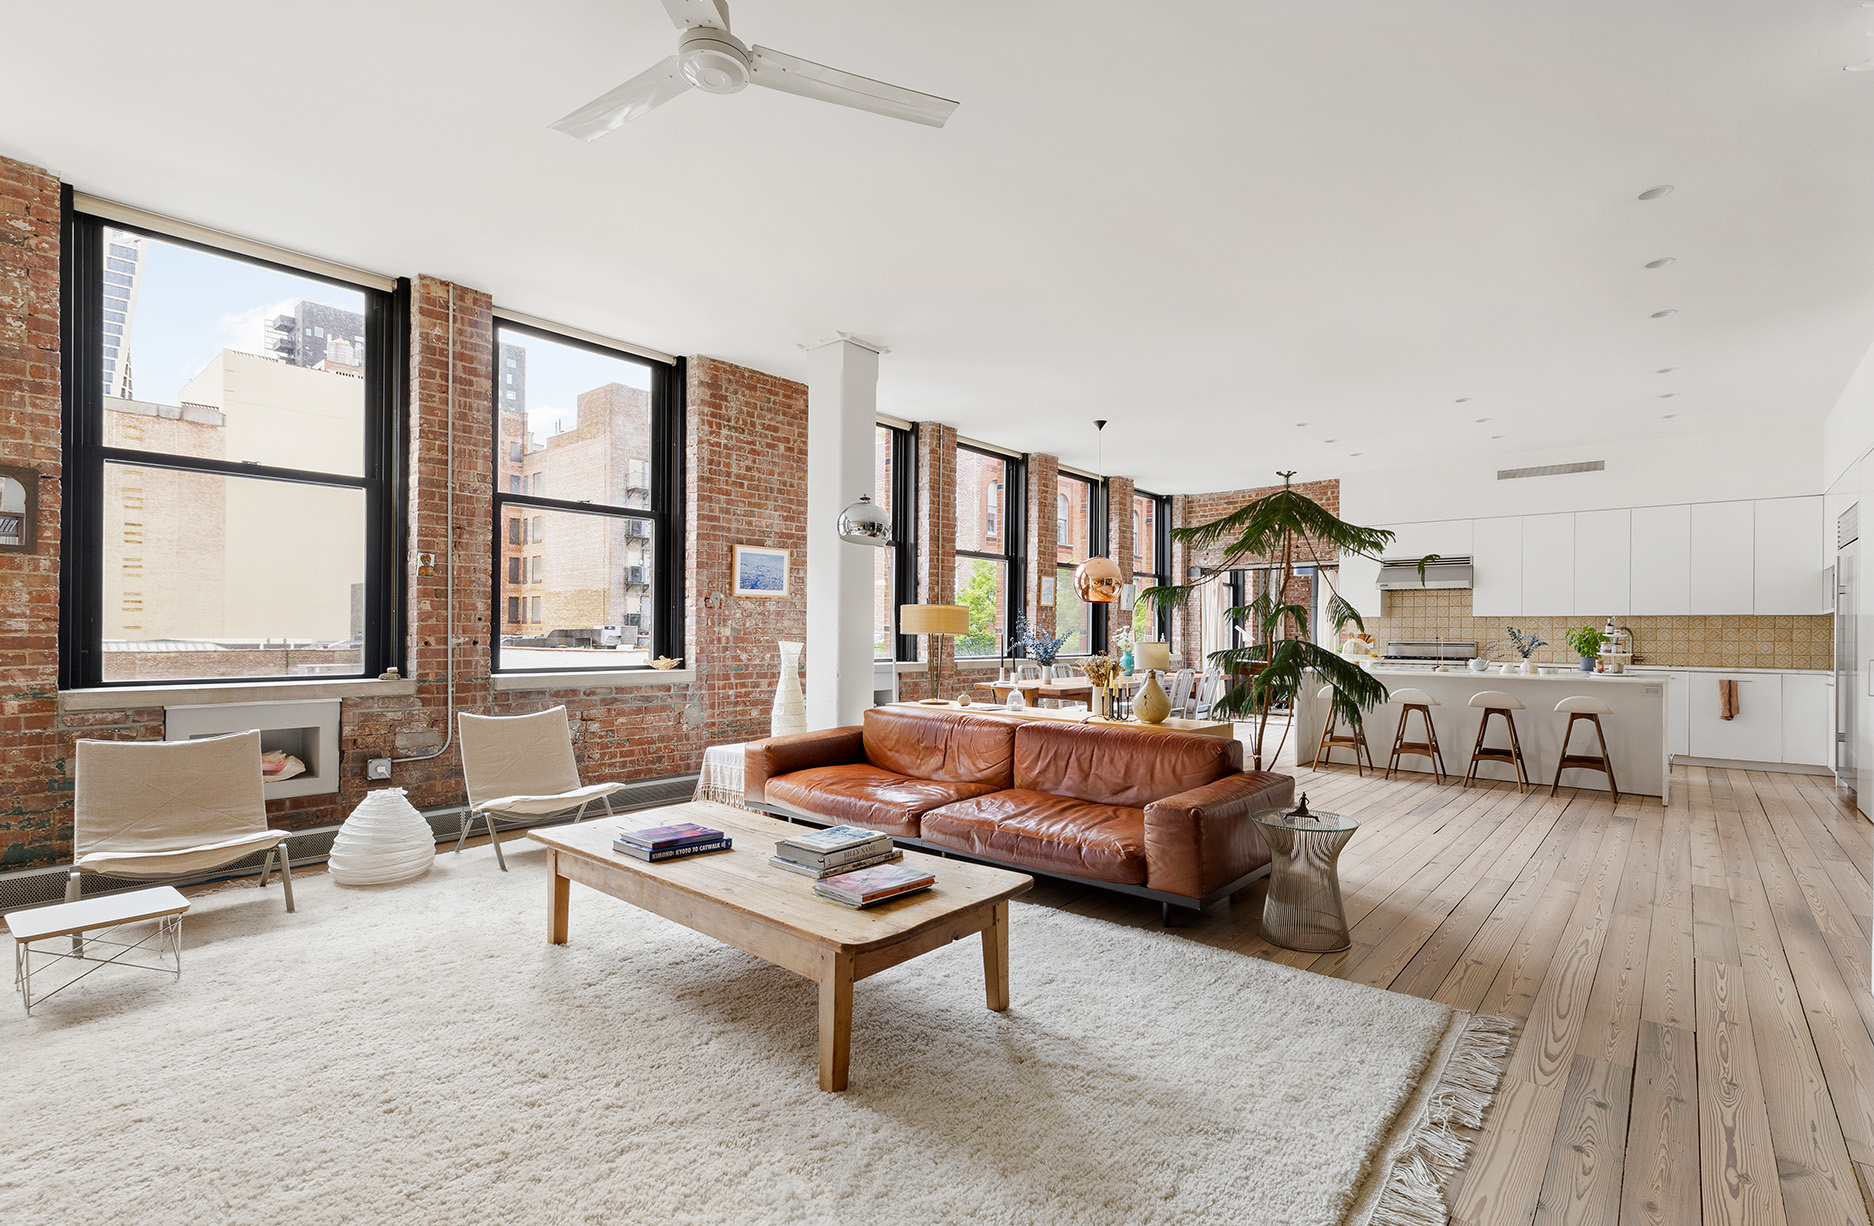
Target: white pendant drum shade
column 384, row 840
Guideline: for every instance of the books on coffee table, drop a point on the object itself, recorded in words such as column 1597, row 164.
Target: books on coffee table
column 670, row 842
column 874, row 885
column 806, row 870
column 834, row 847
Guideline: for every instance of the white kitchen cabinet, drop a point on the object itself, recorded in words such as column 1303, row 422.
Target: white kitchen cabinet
column 1788, row 562
column 1723, row 540
column 1755, row 734
column 1548, row 565
column 1806, row 701
column 1497, row 563
column 1449, row 538
column 1359, row 583
column 1662, row 561
column 1603, row 563
column 1678, row 714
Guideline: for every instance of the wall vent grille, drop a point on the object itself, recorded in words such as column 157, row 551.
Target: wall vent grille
column 32, row 887
column 1551, row 470
column 1848, row 527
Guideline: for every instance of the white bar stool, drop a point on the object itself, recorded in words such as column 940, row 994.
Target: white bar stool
column 1496, row 702
column 1411, row 700
column 1581, row 706
column 1332, row 740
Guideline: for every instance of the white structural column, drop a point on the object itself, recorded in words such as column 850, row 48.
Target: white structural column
column 842, row 406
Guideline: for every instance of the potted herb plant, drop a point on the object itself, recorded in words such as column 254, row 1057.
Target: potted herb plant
column 1585, row 641
column 1282, row 527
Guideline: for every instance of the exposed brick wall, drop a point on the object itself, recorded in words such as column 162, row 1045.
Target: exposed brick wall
column 32, row 788
column 1044, row 474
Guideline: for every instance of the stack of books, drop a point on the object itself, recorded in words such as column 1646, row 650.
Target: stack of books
column 837, row 849
column 873, row 885
column 670, row 842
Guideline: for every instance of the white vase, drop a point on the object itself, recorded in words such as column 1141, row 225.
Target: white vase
column 384, row 840
column 1047, row 672
column 789, row 713
column 1529, row 667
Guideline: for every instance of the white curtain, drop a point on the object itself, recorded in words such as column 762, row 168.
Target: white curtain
column 1215, row 635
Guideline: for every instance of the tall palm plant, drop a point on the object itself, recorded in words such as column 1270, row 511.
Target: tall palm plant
column 1276, row 528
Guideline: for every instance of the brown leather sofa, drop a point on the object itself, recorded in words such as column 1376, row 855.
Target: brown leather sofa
column 1160, row 814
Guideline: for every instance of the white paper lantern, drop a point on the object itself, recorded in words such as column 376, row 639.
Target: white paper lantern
column 384, row 840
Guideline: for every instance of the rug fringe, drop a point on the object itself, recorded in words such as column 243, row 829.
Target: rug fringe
column 1414, row 1193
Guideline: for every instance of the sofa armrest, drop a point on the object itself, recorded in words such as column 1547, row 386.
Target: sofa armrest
column 1202, row 839
column 798, row 751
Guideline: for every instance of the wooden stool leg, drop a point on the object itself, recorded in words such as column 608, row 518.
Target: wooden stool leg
column 1482, row 724
column 1561, row 755
column 1327, row 731
column 1608, row 762
column 1398, row 739
column 1516, row 753
column 1431, row 738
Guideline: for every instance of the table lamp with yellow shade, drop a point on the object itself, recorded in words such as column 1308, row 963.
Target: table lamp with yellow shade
column 1151, row 705
column 933, row 619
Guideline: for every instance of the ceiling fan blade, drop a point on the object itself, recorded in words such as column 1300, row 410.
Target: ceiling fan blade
column 688, row 14
column 650, row 88
column 793, row 75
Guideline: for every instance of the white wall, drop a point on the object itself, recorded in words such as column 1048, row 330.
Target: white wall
column 1776, row 463
column 1848, row 432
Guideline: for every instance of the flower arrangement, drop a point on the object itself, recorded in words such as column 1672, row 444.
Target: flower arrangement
column 1037, row 642
column 1525, row 644
column 1124, row 639
column 1100, row 670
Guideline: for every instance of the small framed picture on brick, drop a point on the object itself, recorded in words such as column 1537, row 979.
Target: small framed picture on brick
column 760, row 571
column 19, row 510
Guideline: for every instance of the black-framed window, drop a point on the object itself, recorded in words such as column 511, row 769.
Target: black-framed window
column 233, row 464
column 990, row 571
column 894, row 574
column 1080, row 521
column 587, row 452
column 1151, row 563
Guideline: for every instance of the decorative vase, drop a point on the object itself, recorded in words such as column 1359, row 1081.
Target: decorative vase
column 384, row 840
column 1529, row 667
column 789, row 713
column 1151, row 704
column 1047, row 672
column 1125, row 661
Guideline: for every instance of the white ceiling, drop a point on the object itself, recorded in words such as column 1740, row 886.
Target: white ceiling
column 1206, row 221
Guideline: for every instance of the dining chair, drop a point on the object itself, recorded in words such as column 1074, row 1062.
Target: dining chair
column 1209, row 689
column 1181, row 690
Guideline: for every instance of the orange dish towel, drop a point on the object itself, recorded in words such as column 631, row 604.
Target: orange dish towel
column 1727, row 700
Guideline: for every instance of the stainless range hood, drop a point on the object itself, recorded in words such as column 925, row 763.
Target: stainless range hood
column 1402, row 574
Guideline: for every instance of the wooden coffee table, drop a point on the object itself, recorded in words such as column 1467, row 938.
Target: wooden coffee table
column 739, row 898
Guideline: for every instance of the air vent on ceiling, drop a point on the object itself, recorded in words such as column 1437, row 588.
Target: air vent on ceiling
column 1551, row 470
column 1848, row 527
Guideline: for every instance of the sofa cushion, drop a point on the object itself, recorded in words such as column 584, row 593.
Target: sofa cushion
column 1050, row 834
column 1118, row 766
column 940, row 744
column 859, row 794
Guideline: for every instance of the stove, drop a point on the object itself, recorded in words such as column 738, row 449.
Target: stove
column 1440, row 651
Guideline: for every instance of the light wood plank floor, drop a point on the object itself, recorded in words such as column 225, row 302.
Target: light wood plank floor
column 1693, row 983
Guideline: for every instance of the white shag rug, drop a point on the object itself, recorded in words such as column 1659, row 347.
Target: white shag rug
column 419, row 1053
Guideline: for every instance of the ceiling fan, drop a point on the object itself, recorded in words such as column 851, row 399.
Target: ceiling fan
column 717, row 62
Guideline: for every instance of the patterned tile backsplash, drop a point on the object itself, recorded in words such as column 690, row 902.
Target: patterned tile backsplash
column 1741, row 641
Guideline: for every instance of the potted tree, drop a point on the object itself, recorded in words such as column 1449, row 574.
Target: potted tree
column 1585, row 641
column 1277, row 528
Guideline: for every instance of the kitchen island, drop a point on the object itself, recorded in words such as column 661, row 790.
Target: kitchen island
column 1636, row 731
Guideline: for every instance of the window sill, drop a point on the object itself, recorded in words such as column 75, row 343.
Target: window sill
column 505, row 683
column 124, row 697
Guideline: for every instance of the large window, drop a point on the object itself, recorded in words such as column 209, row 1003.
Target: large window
column 232, row 476
column 894, row 573
column 1151, row 564
column 1078, row 522
column 989, row 562
column 587, row 454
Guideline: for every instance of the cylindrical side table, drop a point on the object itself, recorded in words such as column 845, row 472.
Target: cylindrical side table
column 1303, row 910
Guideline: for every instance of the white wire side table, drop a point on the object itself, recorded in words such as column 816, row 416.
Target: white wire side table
column 95, row 916
column 1303, row 909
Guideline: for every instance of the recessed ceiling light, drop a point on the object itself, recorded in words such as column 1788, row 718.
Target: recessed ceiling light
column 1667, row 395
column 1356, row 453
column 1463, row 400
column 1665, row 370
column 1482, row 420
column 1654, row 193
column 1496, row 436
column 1668, row 414
column 1666, row 262
column 1664, row 313
column 1301, row 423
column 1331, row 440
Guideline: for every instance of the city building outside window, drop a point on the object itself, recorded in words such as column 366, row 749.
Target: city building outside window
column 230, row 461
column 894, row 570
column 1151, row 563
column 1079, row 522
column 587, row 448
column 989, row 565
